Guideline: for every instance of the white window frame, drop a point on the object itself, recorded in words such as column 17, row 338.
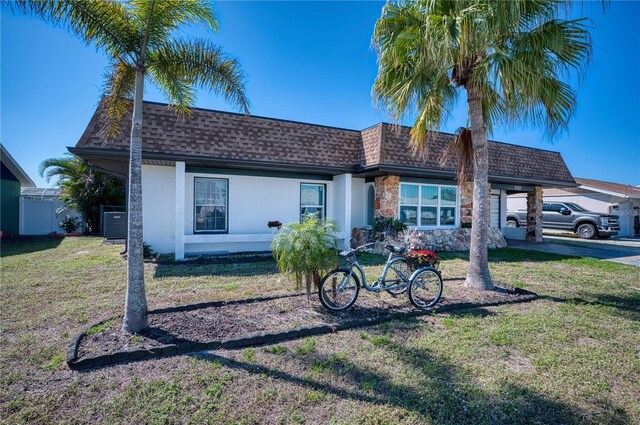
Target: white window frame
column 438, row 206
column 322, row 207
column 195, row 207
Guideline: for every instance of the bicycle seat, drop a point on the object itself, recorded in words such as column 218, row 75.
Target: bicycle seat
column 398, row 249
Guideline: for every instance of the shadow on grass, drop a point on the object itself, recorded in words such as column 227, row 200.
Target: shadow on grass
column 188, row 269
column 438, row 391
column 27, row 245
column 626, row 306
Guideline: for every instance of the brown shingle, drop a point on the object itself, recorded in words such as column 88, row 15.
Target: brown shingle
column 228, row 136
column 623, row 189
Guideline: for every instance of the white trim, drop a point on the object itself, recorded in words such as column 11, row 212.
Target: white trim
column 180, row 207
column 15, row 168
column 233, row 237
column 606, row 192
column 437, row 206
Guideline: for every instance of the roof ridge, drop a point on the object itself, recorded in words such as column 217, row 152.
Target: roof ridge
column 260, row 117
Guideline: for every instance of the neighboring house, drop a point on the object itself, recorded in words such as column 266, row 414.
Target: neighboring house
column 212, row 181
column 597, row 196
column 42, row 210
column 12, row 178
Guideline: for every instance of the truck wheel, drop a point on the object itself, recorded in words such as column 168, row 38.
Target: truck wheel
column 512, row 224
column 587, row 231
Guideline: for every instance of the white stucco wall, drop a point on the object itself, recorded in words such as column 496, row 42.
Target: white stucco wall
column 158, row 207
column 253, row 201
column 342, row 205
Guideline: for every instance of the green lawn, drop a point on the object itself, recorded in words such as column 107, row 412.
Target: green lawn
column 571, row 357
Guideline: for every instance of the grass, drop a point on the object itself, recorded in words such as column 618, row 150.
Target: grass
column 572, row 356
column 99, row 328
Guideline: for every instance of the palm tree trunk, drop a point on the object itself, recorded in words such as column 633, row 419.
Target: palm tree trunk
column 135, row 312
column 478, row 275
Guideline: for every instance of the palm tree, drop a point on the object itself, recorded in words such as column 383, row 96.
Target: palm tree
column 83, row 188
column 304, row 250
column 511, row 58
column 139, row 38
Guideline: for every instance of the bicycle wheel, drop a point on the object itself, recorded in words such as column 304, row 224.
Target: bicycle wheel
column 425, row 288
column 397, row 273
column 339, row 289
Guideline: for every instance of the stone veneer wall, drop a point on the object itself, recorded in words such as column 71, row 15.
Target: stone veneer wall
column 534, row 215
column 435, row 240
column 387, row 196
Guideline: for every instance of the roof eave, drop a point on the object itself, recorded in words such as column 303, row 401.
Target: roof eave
column 411, row 171
column 607, row 192
column 198, row 160
column 16, row 169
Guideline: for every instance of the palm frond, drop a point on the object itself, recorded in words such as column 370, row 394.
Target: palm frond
column 105, row 23
column 201, row 64
column 518, row 55
column 164, row 17
column 116, row 99
column 460, row 150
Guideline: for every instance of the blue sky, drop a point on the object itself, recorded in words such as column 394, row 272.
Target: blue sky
column 312, row 62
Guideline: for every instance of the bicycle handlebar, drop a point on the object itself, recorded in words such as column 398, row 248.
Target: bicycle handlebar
column 364, row 246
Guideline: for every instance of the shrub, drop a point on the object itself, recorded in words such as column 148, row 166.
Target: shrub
column 70, row 224
column 147, row 252
column 386, row 224
column 305, row 249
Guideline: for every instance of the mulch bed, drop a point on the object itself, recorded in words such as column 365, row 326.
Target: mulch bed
column 278, row 315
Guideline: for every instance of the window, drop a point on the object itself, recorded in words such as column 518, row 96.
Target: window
column 312, row 199
column 555, row 207
column 211, row 205
column 428, row 205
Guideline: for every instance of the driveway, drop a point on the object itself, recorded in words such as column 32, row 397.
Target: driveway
column 623, row 250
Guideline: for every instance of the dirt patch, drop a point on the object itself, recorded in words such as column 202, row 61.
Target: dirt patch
column 236, row 320
column 518, row 363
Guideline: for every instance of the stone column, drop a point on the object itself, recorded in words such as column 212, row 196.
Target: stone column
column 387, row 196
column 534, row 215
column 466, row 204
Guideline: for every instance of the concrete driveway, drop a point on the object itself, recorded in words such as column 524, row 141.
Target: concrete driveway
column 621, row 250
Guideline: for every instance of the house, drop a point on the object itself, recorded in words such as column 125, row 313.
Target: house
column 12, row 178
column 212, row 181
column 597, row 196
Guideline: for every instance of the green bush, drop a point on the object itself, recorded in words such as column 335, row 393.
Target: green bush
column 70, row 224
column 147, row 252
column 386, row 224
column 303, row 250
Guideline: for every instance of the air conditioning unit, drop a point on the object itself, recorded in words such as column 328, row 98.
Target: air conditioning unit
column 114, row 225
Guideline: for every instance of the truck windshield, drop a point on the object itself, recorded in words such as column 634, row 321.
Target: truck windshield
column 574, row 207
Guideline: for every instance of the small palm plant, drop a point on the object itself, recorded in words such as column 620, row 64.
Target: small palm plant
column 303, row 250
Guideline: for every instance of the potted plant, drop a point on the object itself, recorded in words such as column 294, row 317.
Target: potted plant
column 418, row 258
column 274, row 224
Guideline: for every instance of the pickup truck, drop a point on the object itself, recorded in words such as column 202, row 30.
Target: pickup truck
column 572, row 217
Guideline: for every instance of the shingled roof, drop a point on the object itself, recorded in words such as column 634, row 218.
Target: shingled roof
column 626, row 191
column 208, row 136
